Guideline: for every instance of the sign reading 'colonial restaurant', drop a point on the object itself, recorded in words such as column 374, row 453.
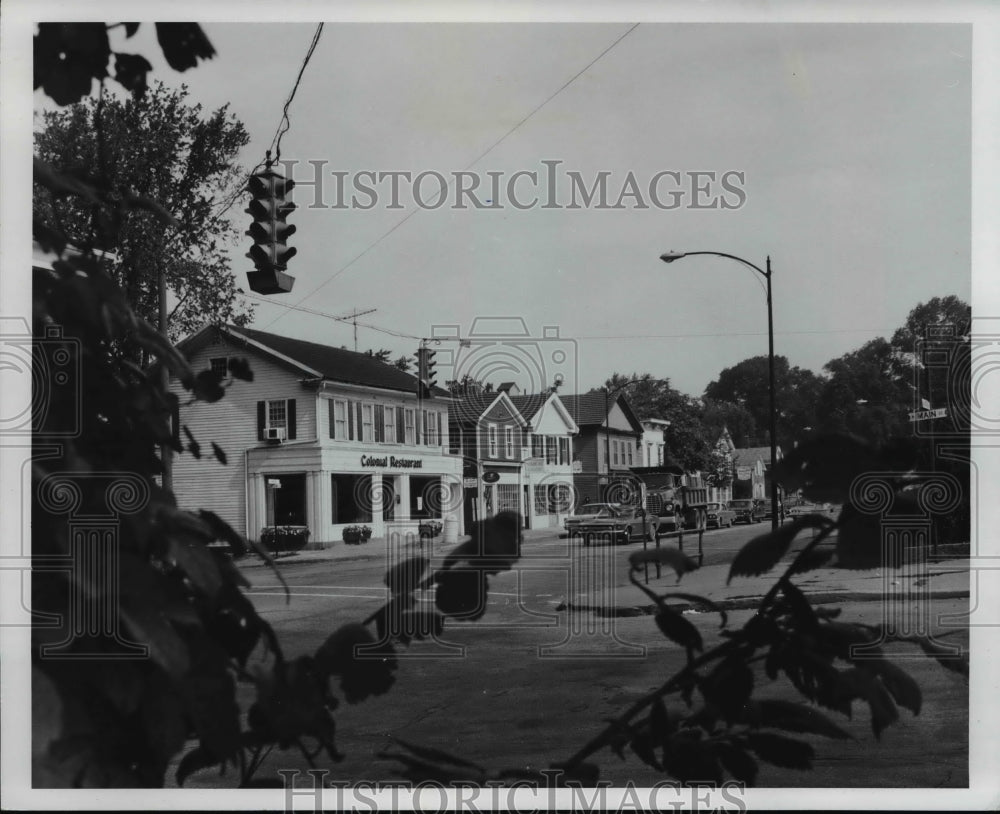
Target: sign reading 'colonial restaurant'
column 392, row 461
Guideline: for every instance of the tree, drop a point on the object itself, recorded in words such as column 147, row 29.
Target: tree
column 152, row 150
column 747, row 384
column 866, row 394
column 720, row 415
column 403, row 363
column 381, row 355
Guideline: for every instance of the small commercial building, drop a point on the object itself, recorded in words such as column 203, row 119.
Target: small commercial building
column 322, row 437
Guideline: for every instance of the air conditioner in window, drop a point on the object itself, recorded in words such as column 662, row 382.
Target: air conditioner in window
column 275, row 433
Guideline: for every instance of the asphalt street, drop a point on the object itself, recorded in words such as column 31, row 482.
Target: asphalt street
column 540, row 672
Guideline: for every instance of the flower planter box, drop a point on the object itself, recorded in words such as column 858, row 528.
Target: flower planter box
column 353, row 535
column 284, row 539
column 429, row 529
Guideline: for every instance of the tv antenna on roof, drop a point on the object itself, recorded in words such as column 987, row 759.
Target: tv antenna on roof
column 353, row 317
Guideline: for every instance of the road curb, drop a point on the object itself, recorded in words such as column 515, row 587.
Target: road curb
column 745, row 603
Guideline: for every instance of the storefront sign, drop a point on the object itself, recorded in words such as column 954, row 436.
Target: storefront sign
column 491, row 477
column 392, row 461
column 470, row 483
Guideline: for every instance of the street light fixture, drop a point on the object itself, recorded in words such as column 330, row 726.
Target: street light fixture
column 670, row 257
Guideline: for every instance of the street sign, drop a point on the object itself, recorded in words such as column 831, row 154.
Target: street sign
column 923, row 415
column 491, row 477
column 470, row 483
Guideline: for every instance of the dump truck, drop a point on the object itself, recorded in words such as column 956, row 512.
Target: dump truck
column 664, row 496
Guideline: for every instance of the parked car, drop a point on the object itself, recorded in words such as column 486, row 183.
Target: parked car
column 620, row 524
column 747, row 510
column 589, row 511
column 718, row 516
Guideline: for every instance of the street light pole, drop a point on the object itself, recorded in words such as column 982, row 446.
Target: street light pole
column 669, row 257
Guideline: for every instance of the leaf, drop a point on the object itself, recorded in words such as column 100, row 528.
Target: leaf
column 824, row 467
column 951, row 658
column 811, row 559
column 859, row 540
column 437, row 755
column 61, row 183
column 691, row 761
column 897, row 681
column 698, row 600
column 882, row 707
column 220, row 456
column 728, row 687
column 130, row 29
column 221, row 531
column 183, row 44
column 137, row 201
column 793, row 717
column 642, row 745
column 678, row 629
column 207, row 386
column 798, row 606
column 193, row 446
column 778, row 750
column 461, row 593
column 659, row 720
column 762, row 553
column 131, row 70
column 675, row 558
column 194, row 761
column 405, row 576
column 365, row 668
column 240, row 368
column 737, row 762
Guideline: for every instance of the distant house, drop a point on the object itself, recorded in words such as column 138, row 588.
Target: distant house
column 489, row 433
column 548, row 462
column 751, row 472
column 322, row 437
column 726, row 450
column 607, row 445
column 653, row 450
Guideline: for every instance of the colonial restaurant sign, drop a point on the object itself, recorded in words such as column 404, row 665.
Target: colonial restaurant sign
column 392, row 461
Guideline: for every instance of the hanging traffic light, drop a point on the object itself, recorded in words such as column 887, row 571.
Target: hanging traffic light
column 426, row 371
column 269, row 209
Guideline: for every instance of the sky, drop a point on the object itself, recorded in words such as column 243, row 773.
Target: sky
column 846, row 150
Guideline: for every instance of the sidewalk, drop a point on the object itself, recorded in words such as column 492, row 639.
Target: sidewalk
column 948, row 579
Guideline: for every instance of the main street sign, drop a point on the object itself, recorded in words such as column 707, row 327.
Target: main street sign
column 923, row 415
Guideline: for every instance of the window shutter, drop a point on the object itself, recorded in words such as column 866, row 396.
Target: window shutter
column 291, row 419
column 350, row 420
column 261, row 419
column 400, row 426
column 379, row 423
column 358, row 422
column 440, row 431
column 333, row 419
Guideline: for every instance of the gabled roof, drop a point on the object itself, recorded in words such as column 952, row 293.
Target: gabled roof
column 588, row 409
column 531, row 405
column 469, row 409
column 311, row 358
column 750, row 456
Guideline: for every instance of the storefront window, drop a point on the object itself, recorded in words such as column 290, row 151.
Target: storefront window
column 351, row 498
column 507, row 498
column 541, row 499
